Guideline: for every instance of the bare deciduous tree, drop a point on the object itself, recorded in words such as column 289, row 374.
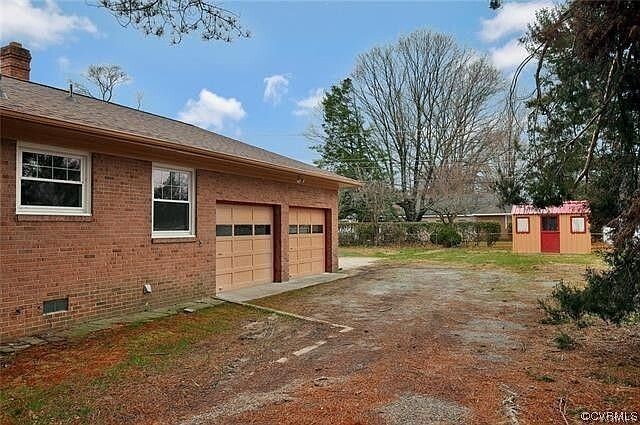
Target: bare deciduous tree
column 430, row 105
column 177, row 17
column 508, row 163
column 377, row 199
column 454, row 191
column 105, row 78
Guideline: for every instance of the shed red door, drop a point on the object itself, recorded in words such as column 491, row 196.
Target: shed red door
column 550, row 234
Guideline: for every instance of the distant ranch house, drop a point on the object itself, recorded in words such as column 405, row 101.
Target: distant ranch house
column 560, row 229
column 486, row 212
column 106, row 210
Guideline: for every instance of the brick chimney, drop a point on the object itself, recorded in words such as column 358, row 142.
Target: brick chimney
column 15, row 61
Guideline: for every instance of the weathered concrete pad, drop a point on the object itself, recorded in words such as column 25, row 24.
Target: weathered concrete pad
column 350, row 263
column 269, row 289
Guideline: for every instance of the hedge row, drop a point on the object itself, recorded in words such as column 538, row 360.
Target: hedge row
column 404, row 233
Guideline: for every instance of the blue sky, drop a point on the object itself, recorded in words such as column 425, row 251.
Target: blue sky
column 261, row 90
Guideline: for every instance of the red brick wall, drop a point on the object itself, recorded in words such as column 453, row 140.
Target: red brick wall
column 102, row 262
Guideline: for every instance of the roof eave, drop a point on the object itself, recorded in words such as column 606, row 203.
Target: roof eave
column 126, row 136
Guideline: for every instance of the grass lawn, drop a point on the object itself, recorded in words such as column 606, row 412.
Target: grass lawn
column 523, row 263
column 63, row 386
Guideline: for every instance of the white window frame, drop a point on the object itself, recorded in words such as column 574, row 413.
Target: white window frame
column 192, row 203
column 85, row 180
column 584, row 224
column 518, row 221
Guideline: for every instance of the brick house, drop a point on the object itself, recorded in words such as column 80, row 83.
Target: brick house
column 106, row 210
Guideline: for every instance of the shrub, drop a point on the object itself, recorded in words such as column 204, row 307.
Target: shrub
column 418, row 233
column 446, row 236
column 491, row 230
column 564, row 341
column 612, row 294
column 414, row 233
column 565, row 302
column 391, row 234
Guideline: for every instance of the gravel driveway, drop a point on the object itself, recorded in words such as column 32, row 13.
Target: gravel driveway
column 417, row 343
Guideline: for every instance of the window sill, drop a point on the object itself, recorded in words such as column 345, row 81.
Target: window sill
column 55, row 313
column 49, row 217
column 170, row 239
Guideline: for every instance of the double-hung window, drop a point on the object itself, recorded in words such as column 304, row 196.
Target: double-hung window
column 578, row 225
column 52, row 181
column 173, row 202
column 522, row 224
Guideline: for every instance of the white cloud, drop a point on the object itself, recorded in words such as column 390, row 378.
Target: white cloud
column 275, row 87
column 64, row 64
column 212, row 111
column 509, row 55
column 39, row 25
column 308, row 104
column 512, row 17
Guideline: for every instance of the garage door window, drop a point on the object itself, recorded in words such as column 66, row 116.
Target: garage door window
column 305, row 229
column 262, row 229
column 317, row 228
column 224, row 230
column 172, row 213
column 243, row 230
column 293, row 229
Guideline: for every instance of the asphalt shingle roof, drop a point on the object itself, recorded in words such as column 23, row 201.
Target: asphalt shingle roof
column 49, row 102
column 569, row 207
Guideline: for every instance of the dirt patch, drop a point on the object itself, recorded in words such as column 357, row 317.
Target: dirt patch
column 413, row 409
column 490, row 333
column 243, row 403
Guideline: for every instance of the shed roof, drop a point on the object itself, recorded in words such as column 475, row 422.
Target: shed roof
column 569, row 207
column 37, row 100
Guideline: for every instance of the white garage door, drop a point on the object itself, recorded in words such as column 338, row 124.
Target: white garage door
column 244, row 245
column 306, row 241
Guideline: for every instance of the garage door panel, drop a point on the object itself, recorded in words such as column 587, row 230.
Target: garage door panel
column 224, row 214
column 242, row 261
column 262, row 275
column 224, row 263
column 262, row 259
column 224, row 247
column 244, row 258
column 304, row 243
column 241, row 277
column 317, row 267
column 242, row 245
column 224, row 279
column 262, row 245
column 307, row 248
column 242, row 214
column 304, row 254
column 317, row 216
column 262, row 216
column 317, row 241
column 304, row 268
